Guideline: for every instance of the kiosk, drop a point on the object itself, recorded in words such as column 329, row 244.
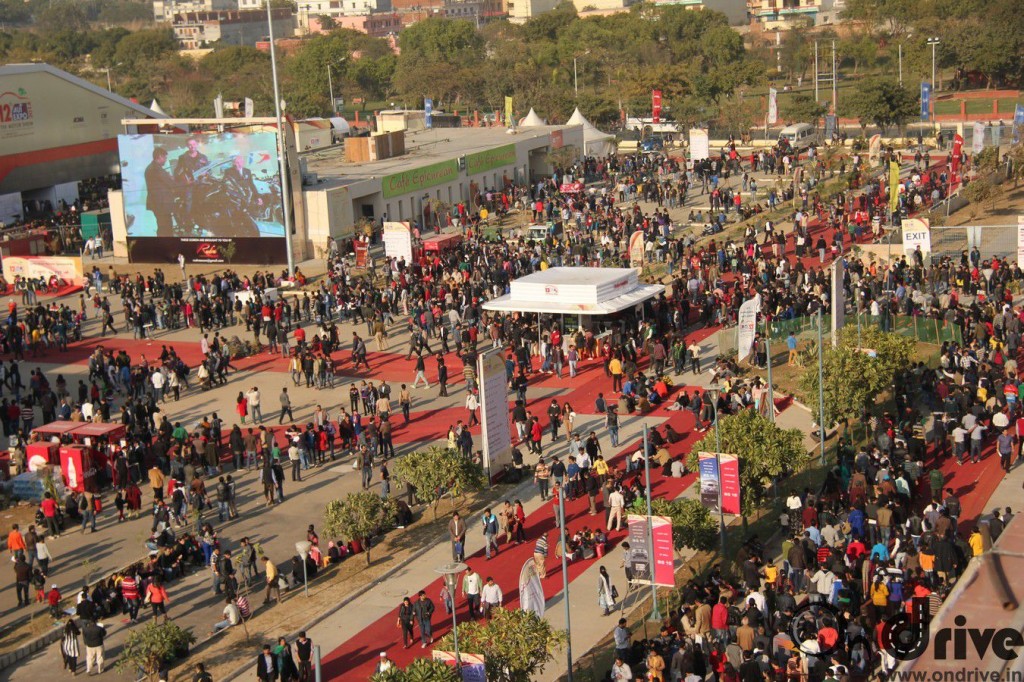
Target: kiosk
column 46, row 452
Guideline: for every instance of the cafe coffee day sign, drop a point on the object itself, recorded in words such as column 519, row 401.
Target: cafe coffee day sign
column 419, row 178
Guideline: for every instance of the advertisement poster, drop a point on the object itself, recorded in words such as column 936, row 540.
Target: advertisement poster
column 978, row 141
column 656, row 106
column 710, row 484
column 494, row 414
column 636, row 249
column 746, row 327
column 719, row 480
column 838, row 298
column 773, row 106
column 639, row 563
column 215, row 198
column 1020, row 241
column 729, row 470
column 699, row 146
column 362, row 250
column 916, row 232
column 664, row 552
column 473, row 665
column 926, row 99
column 67, row 268
column 531, row 593
column 428, row 113
column 398, row 240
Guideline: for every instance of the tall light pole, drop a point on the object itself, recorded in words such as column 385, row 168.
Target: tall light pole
column 714, row 390
column 835, row 107
column 303, row 547
column 816, row 100
column 281, row 158
column 933, row 42
column 900, row 48
column 330, row 88
column 109, row 89
column 821, row 389
column 655, row 614
column 575, row 81
column 451, row 572
column 565, row 579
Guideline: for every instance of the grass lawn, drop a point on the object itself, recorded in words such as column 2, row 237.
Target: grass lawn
column 1007, row 105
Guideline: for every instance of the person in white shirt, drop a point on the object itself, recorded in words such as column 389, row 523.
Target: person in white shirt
column 159, row 381
column 616, row 502
column 253, row 398
column 232, row 617
column 471, row 586
column 490, row 596
column 621, row 672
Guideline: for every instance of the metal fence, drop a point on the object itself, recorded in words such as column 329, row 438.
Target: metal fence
column 991, row 240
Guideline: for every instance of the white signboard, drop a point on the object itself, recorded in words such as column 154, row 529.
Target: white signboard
column 699, row 144
column 494, row 413
column 398, row 241
column 916, row 232
column 1020, row 241
column 773, row 106
column 978, row 143
column 747, row 327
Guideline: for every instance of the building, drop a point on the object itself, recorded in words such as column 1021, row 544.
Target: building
column 164, row 10
column 309, row 10
column 61, row 130
column 377, row 25
column 734, row 10
column 232, row 27
column 520, row 11
column 784, row 13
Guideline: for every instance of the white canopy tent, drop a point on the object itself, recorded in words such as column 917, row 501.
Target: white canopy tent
column 155, row 106
column 576, row 291
column 340, row 125
column 595, row 143
column 532, row 120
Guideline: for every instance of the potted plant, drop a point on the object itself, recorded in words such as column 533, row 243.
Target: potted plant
column 150, row 648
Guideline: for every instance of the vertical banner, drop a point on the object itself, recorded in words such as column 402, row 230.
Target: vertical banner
column 894, row 186
column 978, row 143
column 1018, row 123
column 398, row 240
column 494, row 415
column 508, row 113
column 428, row 113
column 838, row 298
column 710, row 482
column 656, row 106
column 1020, row 241
column 773, row 106
column 531, row 592
column 664, row 552
column 958, row 148
column 642, row 560
column 831, row 126
column 362, row 249
column 639, row 563
column 636, row 249
column 746, row 327
column 699, row 145
column 729, row 471
column 250, row 108
column 926, row 100
column 218, row 106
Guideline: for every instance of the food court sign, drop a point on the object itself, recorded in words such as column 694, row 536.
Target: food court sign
column 491, row 159
column 419, row 178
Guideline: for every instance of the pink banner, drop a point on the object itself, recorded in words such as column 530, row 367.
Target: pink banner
column 664, row 552
column 729, row 470
column 656, row 106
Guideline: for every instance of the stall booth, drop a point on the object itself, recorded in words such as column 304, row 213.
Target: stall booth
column 46, row 452
column 84, row 462
column 436, row 244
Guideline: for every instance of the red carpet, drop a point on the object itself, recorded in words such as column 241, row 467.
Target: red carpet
column 66, row 290
column 356, row 658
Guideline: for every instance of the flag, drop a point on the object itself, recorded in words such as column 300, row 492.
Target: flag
column 656, row 106
column 508, row 112
column 894, row 186
column 773, row 106
column 249, row 108
column 746, row 327
column 1018, row 122
column 428, row 112
column 978, row 143
column 218, row 106
column 926, row 99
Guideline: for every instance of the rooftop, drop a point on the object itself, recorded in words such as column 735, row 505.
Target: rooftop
column 422, row 148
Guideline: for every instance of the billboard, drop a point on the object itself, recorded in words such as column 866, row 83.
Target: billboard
column 213, row 198
column 67, row 268
column 494, row 414
column 719, row 480
column 642, row 559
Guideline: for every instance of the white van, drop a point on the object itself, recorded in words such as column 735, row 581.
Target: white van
column 800, row 135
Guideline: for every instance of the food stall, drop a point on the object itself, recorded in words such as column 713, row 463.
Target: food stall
column 46, row 451
column 84, row 462
column 436, row 244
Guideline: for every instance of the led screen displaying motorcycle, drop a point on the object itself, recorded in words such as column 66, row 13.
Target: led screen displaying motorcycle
column 216, row 198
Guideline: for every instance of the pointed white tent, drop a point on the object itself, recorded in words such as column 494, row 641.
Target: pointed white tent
column 595, row 143
column 155, row 106
column 532, row 120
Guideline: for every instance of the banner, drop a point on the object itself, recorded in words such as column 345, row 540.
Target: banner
column 746, row 327
column 509, row 122
column 707, row 467
column 958, row 149
column 978, row 143
column 362, row 249
column 917, row 232
column 1018, row 123
column 218, row 106
column 398, row 241
column 1020, row 241
column 67, row 268
column 656, row 106
column 894, row 186
column 494, row 414
column 531, row 592
column 838, row 298
column 926, row 100
column 773, row 106
column 874, row 149
column 428, row 113
column 729, row 469
column 642, row 560
column 831, row 126
column 473, row 665
column 699, row 146
column 636, row 249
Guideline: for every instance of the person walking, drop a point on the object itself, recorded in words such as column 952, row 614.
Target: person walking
column 616, row 502
column 22, row 577
column 69, row 646
column 286, row 406
column 304, row 652
column 158, row 600
column 491, row 597
column 606, row 593
column 471, row 588
column 406, row 621
column 542, row 476
column 270, row 574
column 266, row 665
column 423, row 607
column 457, row 533
column 490, row 527
column 540, row 555
column 93, row 635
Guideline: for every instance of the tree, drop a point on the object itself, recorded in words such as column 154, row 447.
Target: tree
column 359, row 516
column 692, row 525
column 150, row 647
column 516, row 644
column 764, row 450
column 436, row 472
column 801, row 108
column 420, row 670
column 853, row 379
column 1016, row 157
column 881, row 101
column 980, row 190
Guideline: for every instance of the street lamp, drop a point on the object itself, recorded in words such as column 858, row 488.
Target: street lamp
column 450, row 572
column 933, row 42
column 715, row 390
column 303, row 547
column 282, row 159
column 575, row 82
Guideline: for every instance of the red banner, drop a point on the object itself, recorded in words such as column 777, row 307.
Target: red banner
column 664, row 552
column 958, row 145
column 571, row 187
column 656, row 105
column 729, row 470
column 362, row 251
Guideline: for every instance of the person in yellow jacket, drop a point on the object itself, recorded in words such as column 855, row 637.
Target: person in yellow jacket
column 976, row 542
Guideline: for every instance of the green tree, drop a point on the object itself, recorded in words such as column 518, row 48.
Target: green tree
column 765, row 452
column 692, row 524
column 139, row 51
column 881, row 101
column 516, row 644
column 979, row 191
column 862, row 49
column 436, row 472
column 420, row 670
column 801, row 108
column 359, row 516
column 148, row 648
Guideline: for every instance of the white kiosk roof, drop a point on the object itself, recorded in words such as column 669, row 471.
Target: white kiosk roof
column 574, row 291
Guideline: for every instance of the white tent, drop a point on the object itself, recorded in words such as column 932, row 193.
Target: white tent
column 595, row 143
column 532, row 120
column 155, row 106
column 340, row 125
